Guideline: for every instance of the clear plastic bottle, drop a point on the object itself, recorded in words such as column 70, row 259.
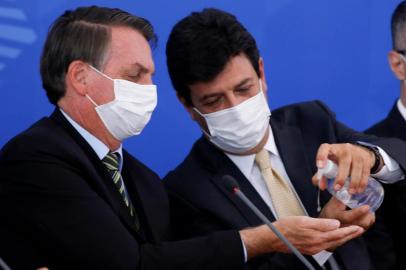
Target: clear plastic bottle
column 372, row 195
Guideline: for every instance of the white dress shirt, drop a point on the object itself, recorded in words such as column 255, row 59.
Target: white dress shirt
column 98, row 146
column 246, row 164
column 402, row 109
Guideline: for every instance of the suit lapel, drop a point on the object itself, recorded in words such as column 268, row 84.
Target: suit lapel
column 98, row 176
column 397, row 123
column 143, row 200
column 224, row 166
column 289, row 142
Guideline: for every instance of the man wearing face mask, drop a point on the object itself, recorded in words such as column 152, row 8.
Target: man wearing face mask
column 215, row 67
column 72, row 198
column 387, row 237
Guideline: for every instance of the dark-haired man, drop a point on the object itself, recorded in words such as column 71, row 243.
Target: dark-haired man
column 72, row 198
column 215, row 67
column 387, row 237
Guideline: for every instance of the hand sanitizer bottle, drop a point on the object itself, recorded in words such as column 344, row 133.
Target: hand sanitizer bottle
column 372, row 195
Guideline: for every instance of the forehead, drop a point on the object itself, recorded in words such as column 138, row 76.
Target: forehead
column 128, row 47
column 237, row 69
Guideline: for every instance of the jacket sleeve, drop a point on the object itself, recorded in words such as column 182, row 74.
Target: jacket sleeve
column 394, row 147
column 52, row 217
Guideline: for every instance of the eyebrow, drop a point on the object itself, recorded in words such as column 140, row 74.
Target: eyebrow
column 140, row 68
column 241, row 83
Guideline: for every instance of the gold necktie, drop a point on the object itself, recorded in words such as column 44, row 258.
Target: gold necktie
column 283, row 198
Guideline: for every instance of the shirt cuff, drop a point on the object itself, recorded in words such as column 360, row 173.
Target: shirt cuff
column 245, row 251
column 390, row 172
column 322, row 257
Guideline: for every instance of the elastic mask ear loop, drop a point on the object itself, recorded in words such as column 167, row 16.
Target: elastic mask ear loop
column 403, row 58
column 202, row 115
column 104, row 75
column 196, row 110
column 91, row 100
column 101, row 73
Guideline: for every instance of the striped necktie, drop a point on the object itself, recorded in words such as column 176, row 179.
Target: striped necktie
column 283, row 198
column 112, row 163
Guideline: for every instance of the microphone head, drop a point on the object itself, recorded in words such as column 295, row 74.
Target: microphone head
column 229, row 183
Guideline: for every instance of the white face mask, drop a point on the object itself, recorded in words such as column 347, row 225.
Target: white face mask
column 131, row 109
column 240, row 128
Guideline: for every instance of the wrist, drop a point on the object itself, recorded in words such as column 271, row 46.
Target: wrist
column 376, row 158
column 258, row 241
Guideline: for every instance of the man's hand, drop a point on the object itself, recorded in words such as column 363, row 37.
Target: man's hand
column 308, row 235
column 360, row 216
column 352, row 160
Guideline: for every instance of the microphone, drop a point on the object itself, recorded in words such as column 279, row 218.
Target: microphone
column 231, row 185
column 3, row 265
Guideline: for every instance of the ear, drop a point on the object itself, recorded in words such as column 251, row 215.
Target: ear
column 77, row 77
column 397, row 64
column 262, row 75
column 193, row 114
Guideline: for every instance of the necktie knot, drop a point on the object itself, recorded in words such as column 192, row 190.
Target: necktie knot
column 282, row 196
column 112, row 161
column 262, row 159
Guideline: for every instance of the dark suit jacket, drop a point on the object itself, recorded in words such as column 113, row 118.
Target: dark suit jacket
column 200, row 204
column 386, row 239
column 59, row 208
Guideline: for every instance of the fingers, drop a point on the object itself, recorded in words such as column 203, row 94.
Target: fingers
column 351, row 216
column 343, row 235
column 367, row 221
column 343, row 154
column 322, row 155
column 361, row 216
column 366, row 171
column 329, row 240
column 352, row 160
column 356, row 173
column 338, row 153
column 311, row 235
column 333, row 209
column 321, row 159
column 366, row 158
column 371, row 221
column 320, row 181
column 360, row 165
column 319, row 224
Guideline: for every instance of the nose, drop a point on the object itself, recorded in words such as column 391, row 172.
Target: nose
column 232, row 100
column 149, row 80
column 146, row 79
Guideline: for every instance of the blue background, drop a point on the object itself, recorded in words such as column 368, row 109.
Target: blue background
column 335, row 51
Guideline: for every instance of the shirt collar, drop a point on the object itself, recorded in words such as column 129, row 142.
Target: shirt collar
column 245, row 163
column 98, row 146
column 402, row 109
